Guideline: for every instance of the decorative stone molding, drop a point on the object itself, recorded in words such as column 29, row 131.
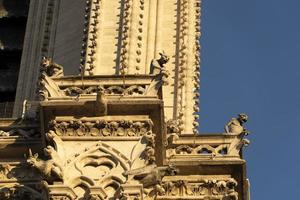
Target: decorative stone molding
column 100, row 127
column 97, row 165
column 124, row 61
column 89, row 45
column 73, row 87
column 128, row 90
column 205, row 147
column 131, row 192
column 196, row 187
column 60, row 192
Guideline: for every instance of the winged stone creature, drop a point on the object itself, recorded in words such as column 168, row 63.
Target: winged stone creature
column 152, row 175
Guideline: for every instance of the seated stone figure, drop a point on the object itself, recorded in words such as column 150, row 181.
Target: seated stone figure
column 52, row 69
column 157, row 65
column 235, row 125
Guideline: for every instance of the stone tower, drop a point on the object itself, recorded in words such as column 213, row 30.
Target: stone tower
column 107, row 107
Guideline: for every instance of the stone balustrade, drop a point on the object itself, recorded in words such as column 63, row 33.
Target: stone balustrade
column 205, row 147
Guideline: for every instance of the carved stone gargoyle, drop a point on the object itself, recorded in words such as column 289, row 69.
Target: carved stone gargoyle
column 157, row 68
column 52, row 69
column 51, row 169
column 236, row 127
column 46, row 86
column 151, row 176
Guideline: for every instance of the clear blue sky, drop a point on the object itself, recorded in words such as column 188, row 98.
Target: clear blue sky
column 251, row 63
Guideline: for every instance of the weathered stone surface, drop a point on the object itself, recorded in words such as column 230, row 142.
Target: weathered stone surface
column 117, row 130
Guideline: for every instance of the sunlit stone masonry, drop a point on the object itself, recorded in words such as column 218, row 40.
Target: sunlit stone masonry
column 106, row 106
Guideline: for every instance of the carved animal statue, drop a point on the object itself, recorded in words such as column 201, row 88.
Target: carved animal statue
column 151, row 175
column 51, row 68
column 50, row 169
column 157, row 68
column 157, row 65
column 235, row 125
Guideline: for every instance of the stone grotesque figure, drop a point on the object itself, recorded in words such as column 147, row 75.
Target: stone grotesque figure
column 157, row 68
column 51, row 169
column 235, row 127
column 52, row 69
column 151, row 176
column 46, row 85
column 157, row 65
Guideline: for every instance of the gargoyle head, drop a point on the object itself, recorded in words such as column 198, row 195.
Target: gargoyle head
column 46, row 61
column 172, row 170
column 163, row 57
column 32, row 159
column 242, row 117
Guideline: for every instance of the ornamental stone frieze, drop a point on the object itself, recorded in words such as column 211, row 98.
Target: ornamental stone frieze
column 52, row 88
column 199, row 187
column 101, row 127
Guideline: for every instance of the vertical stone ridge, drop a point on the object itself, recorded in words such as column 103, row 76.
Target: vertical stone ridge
column 48, row 34
column 182, row 62
column 151, row 32
column 47, row 29
column 92, row 16
column 125, row 36
column 197, row 64
column 188, row 75
column 135, row 36
column 139, row 41
column 188, row 91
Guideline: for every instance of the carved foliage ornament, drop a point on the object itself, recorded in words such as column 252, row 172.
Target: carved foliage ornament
column 220, row 189
column 127, row 90
column 101, row 128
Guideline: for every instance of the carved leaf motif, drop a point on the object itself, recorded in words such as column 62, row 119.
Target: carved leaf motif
column 122, row 128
